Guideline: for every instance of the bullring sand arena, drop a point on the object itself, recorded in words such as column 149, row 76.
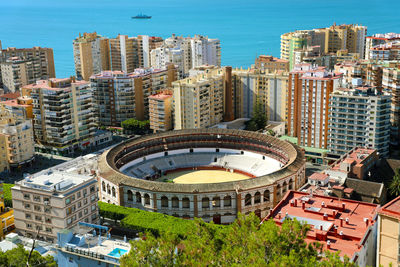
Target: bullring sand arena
column 203, row 177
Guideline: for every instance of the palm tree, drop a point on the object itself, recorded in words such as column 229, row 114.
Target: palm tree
column 394, row 187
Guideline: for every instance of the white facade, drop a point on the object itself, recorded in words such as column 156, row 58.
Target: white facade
column 47, row 203
column 359, row 118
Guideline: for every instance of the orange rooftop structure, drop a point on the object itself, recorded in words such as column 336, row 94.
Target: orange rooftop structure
column 338, row 224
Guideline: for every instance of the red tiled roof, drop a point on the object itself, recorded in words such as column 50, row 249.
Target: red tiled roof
column 10, row 96
column 392, row 208
column 331, row 214
column 319, row 176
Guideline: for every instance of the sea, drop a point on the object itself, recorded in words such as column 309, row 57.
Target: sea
column 246, row 28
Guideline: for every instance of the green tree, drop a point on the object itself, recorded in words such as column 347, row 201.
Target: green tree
column 134, row 126
column 245, row 242
column 18, row 257
column 394, row 187
column 259, row 115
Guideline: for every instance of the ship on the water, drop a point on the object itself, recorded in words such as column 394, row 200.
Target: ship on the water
column 141, row 16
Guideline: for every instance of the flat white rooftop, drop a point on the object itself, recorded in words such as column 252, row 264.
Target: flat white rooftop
column 61, row 181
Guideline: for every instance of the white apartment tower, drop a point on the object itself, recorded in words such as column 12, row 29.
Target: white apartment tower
column 359, row 117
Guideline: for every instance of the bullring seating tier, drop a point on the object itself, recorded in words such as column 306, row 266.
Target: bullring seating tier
column 247, row 163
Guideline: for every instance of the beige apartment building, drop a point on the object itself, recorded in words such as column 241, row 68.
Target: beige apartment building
column 160, row 111
column 16, row 140
column 124, row 53
column 42, row 60
column 388, row 250
column 120, row 96
column 331, row 39
column 267, row 88
column 271, row 64
column 91, row 55
column 199, row 100
column 15, row 73
column 63, row 111
column 51, row 201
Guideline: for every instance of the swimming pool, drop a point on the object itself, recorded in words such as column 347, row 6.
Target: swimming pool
column 117, row 252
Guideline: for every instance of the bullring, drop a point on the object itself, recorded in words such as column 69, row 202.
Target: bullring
column 133, row 173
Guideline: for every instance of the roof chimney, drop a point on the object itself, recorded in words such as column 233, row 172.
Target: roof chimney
column 303, row 205
column 347, row 220
column 328, row 244
column 341, row 222
column 366, row 222
column 343, row 206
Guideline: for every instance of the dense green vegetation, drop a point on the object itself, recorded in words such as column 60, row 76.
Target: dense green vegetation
column 142, row 221
column 133, row 126
column 19, row 257
column 244, row 243
column 7, row 194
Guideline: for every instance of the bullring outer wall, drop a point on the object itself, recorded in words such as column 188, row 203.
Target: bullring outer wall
column 219, row 202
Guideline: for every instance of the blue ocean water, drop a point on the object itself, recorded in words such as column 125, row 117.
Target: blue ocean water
column 246, row 28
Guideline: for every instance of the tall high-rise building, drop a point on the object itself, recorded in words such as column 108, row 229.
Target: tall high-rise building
column 160, row 111
column 16, row 140
column 391, row 82
column 205, row 51
column 63, row 110
column 15, row 73
column 42, row 60
column 330, row 40
column 187, row 53
column 199, row 100
column 124, row 53
column 145, row 45
column 379, row 39
column 309, row 91
column 91, row 55
column 119, row 96
column 359, row 117
column 251, row 86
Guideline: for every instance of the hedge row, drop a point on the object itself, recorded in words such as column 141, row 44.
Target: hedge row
column 140, row 220
column 7, row 194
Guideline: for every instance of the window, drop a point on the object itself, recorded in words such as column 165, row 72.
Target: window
column 113, row 191
column 164, row 202
column 175, row 202
column 67, row 201
column 27, row 196
column 185, row 203
column 85, row 201
column 29, row 226
column 227, row 201
column 85, row 211
column 84, row 192
column 38, row 218
column 37, row 208
column 92, row 189
column 146, row 199
column 80, row 214
column 93, row 198
column 130, row 195
column 257, row 198
column 247, row 200
column 48, row 230
column 78, row 195
column 138, row 198
column 28, row 216
column 47, row 210
column 266, row 195
column 216, row 202
column 205, row 203
column 47, row 220
column 104, row 186
column 79, row 204
column 72, row 198
column 27, row 206
column 93, row 207
column 36, row 198
column 69, row 221
column 69, row 211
